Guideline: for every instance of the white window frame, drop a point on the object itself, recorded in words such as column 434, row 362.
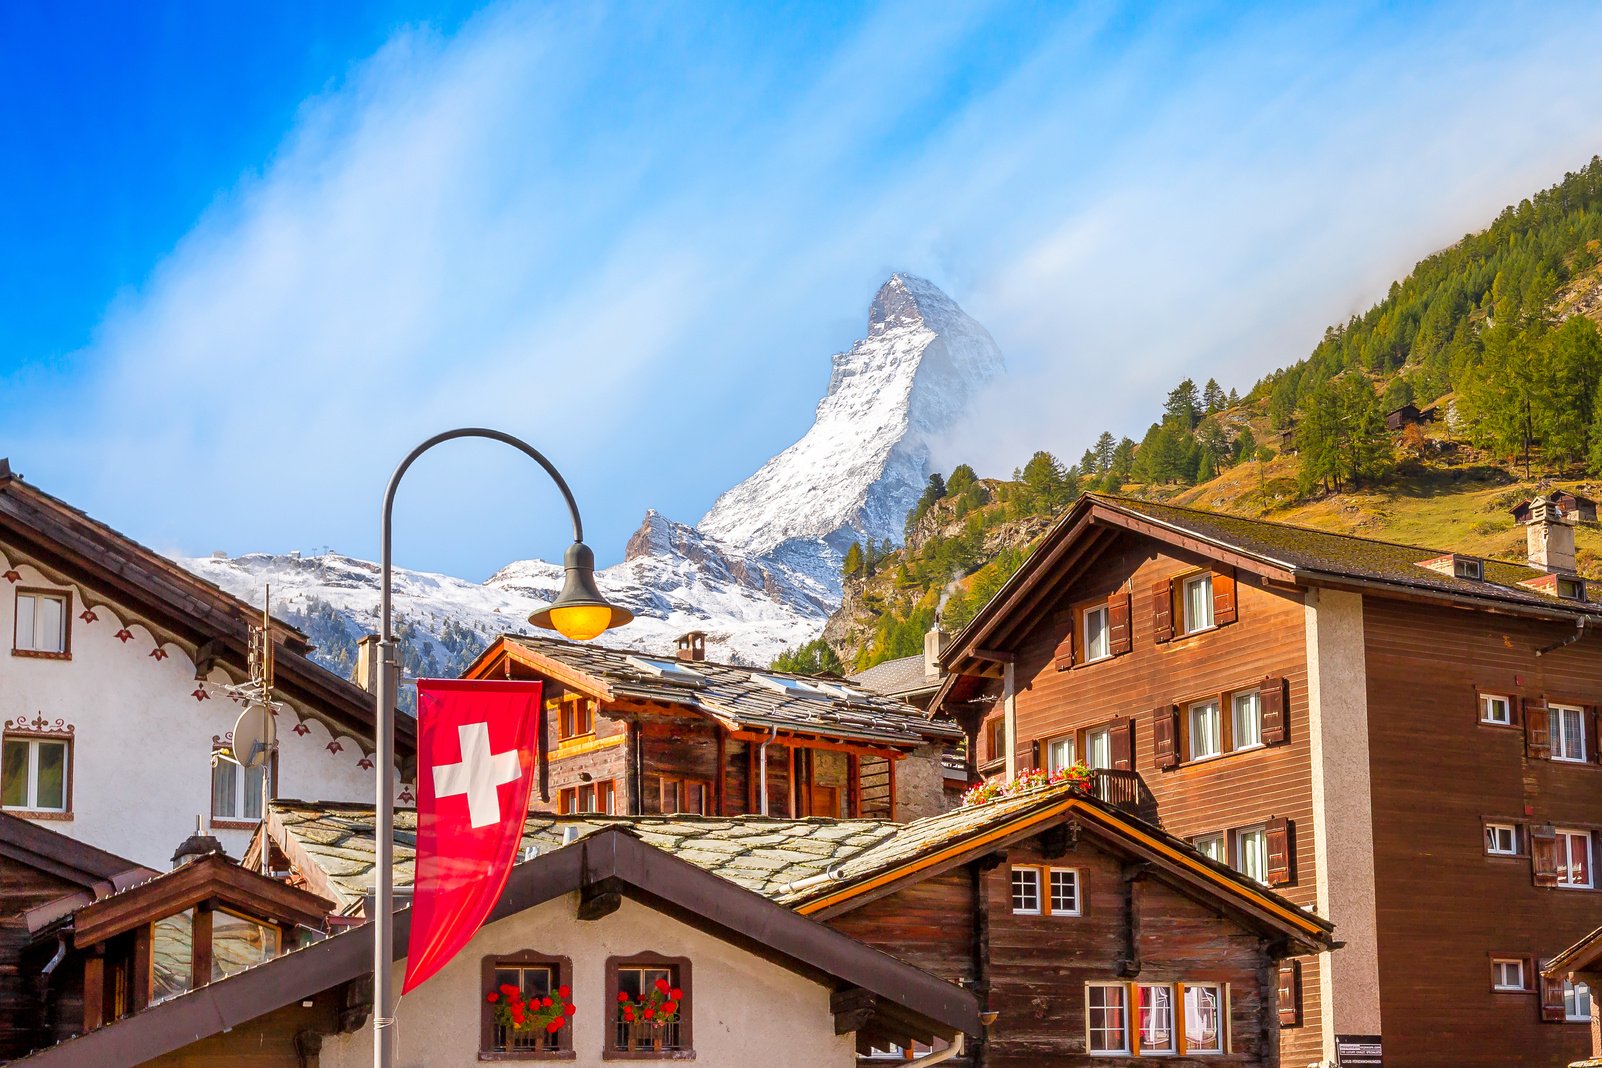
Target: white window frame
column 1031, row 878
column 34, row 597
column 1192, row 626
column 1221, row 992
column 1493, row 834
column 1243, row 860
column 1105, row 634
column 1488, row 705
column 31, row 800
column 1123, row 1010
column 1498, row 965
column 1151, row 1049
column 1250, row 702
column 1102, row 735
column 1564, row 851
column 1213, row 847
column 1050, row 899
column 1572, row 1013
column 242, row 791
column 1558, row 714
column 1054, row 762
column 1215, row 736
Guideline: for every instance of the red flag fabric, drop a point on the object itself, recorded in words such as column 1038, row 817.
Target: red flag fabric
column 476, row 746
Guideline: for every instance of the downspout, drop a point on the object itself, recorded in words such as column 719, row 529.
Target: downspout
column 1579, row 632
column 953, row 1050
column 762, row 771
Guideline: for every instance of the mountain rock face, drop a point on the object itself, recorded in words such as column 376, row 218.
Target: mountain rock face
column 759, row 574
column 860, row 468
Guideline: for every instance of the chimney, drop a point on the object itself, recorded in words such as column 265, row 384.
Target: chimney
column 196, row 846
column 692, row 646
column 934, row 643
column 366, row 673
column 1549, row 532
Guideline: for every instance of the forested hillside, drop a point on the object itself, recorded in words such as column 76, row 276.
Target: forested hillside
column 1494, row 338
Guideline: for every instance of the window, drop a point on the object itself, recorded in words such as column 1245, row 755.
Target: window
column 1198, row 599
column 1576, row 1002
column 1467, row 568
column 534, row 977
column 576, row 718
column 42, row 623
column 1204, row 1018
column 1568, row 732
column 1496, row 709
column 1061, row 891
column 1251, row 854
column 1059, row 754
column 1507, row 975
column 34, row 774
column 1156, row 1019
column 1107, row 1017
column 1097, row 638
column 172, row 955
column 1211, row 846
column 596, row 797
column 1204, row 730
column 235, row 791
column 1501, row 840
column 650, row 983
column 1026, row 891
column 1574, row 859
column 1247, row 720
column 1098, row 748
column 238, row 943
column 1570, row 589
column 996, row 738
column 691, row 796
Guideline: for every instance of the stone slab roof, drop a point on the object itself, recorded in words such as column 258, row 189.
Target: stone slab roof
column 744, row 697
column 895, row 678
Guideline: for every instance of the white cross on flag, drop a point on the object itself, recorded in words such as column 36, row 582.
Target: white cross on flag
column 476, row 745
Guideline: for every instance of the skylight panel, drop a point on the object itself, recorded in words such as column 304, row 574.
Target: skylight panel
column 668, row 670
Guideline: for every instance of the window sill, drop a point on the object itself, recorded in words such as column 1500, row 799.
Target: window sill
column 36, row 814
column 1199, row 761
column 1502, row 726
column 1581, row 761
column 1096, row 660
column 527, row 1055
column 40, row 654
column 648, row 1055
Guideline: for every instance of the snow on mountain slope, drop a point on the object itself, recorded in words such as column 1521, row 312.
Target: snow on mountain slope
column 760, row 574
column 860, row 468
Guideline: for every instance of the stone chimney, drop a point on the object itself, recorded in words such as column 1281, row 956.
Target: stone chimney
column 934, row 643
column 692, row 646
column 1549, row 533
column 366, row 673
column 196, row 846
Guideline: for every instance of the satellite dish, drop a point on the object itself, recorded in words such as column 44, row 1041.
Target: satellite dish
column 255, row 734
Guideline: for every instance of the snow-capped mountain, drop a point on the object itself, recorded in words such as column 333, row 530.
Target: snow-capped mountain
column 860, row 468
column 759, row 574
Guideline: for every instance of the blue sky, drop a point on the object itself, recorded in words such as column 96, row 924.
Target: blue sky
column 254, row 252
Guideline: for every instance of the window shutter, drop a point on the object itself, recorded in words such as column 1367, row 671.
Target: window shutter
column 1537, row 729
column 1271, row 703
column 1123, row 744
column 1281, row 859
column 1063, row 656
column 1034, row 754
column 1165, row 735
column 1119, row 640
column 1224, row 610
column 1543, row 855
column 1552, row 1010
column 1162, row 612
column 1290, row 993
column 1594, row 743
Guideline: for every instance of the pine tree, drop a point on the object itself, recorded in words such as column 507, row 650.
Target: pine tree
column 1213, row 399
column 853, row 560
column 868, row 559
column 1046, row 482
column 1182, row 409
column 962, row 479
column 1105, row 447
column 1088, row 464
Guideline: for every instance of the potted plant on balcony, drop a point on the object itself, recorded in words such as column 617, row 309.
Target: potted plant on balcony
column 523, row 1013
column 652, row 1017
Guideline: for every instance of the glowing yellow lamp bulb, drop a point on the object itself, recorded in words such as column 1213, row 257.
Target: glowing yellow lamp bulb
column 581, row 622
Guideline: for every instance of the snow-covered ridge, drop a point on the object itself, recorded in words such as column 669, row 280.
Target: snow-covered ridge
column 759, row 574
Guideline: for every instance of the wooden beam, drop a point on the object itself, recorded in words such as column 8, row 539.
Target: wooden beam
column 94, row 990
column 598, row 900
column 200, row 946
column 994, row 656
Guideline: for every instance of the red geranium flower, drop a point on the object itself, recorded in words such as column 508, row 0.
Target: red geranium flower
column 493, row 997
column 545, row 1002
column 554, row 1026
column 662, row 985
column 622, row 995
column 670, row 1007
column 508, row 989
column 569, row 1010
column 628, row 1014
column 676, row 994
column 649, row 1013
column 564, row 992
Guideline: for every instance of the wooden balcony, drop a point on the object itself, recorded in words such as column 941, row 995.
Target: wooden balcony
column 1125, row 790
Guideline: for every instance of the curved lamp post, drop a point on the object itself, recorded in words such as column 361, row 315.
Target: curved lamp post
column 579, row 612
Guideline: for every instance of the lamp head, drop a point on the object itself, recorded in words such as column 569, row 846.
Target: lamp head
column 579, row 611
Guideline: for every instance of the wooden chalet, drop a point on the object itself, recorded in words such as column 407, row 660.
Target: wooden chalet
column 609, row 913
column 1582, row 508
column 1578, row 966
column 1408, row 415
column 633, row 734
column 1401, row 740
column 1063, row 914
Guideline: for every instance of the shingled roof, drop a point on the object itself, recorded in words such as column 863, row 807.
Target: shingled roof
column 895, row 678
column 738, row 697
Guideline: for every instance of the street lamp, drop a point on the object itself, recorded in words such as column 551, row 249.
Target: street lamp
column 579, row 612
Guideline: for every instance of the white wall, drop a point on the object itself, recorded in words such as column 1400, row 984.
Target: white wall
column 142, row 742
column 746, row 1011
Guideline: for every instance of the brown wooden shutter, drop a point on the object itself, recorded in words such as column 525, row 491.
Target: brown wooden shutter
column 1162, row 612
column 1224, row 609
column 1594, row 743
column 1281, row 855
column 1543, row 855
column 1290, row 993
column 1165, row 735
column 1271, row 703
column 1120, row 638
column 1552, row 1010
column 1063, row 656
column 1123, row 744
column 1034, row 754
column 1537, row 729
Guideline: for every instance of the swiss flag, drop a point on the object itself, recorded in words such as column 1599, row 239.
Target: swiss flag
column 476, row 747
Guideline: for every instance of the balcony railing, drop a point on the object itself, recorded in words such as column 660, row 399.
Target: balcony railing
column 1126, row 790
column 643, row 1035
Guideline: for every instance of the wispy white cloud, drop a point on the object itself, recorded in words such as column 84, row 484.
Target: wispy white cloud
column 635, row 237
